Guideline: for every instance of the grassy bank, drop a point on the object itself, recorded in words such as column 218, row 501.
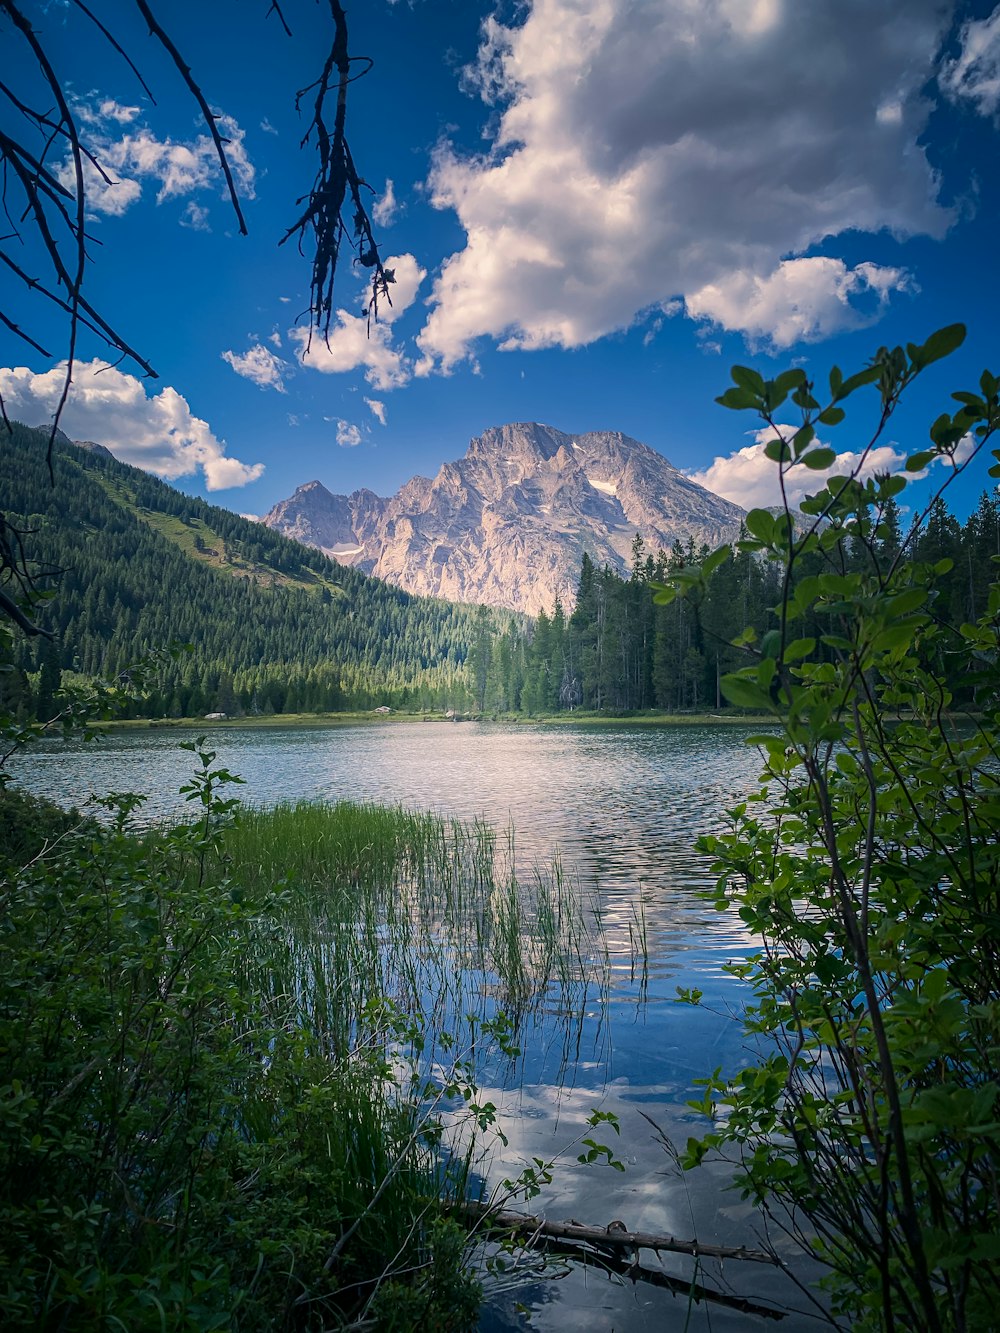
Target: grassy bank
column 262, row 721
column 236, row 1062
column 650, row 718
column 578, row 718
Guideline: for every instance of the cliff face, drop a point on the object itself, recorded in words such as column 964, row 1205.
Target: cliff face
column 508, row 523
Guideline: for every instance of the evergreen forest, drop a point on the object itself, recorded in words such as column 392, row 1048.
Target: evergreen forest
column 274, row 626
column 618, row 651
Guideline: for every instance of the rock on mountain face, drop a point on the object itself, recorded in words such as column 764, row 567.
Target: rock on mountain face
column 508, row 523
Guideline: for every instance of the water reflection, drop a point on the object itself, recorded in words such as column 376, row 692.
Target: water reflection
column 622, row 809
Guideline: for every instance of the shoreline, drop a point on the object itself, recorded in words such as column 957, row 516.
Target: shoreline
column 307, row 720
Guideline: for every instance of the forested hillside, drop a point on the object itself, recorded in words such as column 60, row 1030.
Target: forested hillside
column 618, row 651
column 274, row 626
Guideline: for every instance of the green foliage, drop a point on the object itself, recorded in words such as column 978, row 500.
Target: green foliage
column 868, row 867
column 276, row 627
column 239, row 1060
column 183, row 1144
column 29, row 827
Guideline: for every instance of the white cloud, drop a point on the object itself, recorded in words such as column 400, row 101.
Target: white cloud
column 974, row 74
column 803, row 300
column 384, row 208
column 267, row 127
column 274, row 338
column 348, row 436
column 651, row 149
column 195, row 217
column 112, row 110
column 89, row 113
column 749, row 478
column 159, row 434
column 377, row 409
column 178, row 167
column 354, row 343
column 259, row 365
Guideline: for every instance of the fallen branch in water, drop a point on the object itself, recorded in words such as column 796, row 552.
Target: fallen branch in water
column 613, row 1237
column 654, row 1277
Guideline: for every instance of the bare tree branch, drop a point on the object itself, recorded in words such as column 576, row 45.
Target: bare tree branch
column 46, row 203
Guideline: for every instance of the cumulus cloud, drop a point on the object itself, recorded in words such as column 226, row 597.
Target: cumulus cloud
column 159, row 434
column 259, row 365
column 803, row 300
column 647, row 150
column 749, row 478
column 177, row 167
column 384, row 208
column 348, row 436
column 377, row 409
column 974, row 74
column 353, row 344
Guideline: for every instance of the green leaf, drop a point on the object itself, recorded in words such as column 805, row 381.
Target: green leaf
column 798, row 648
column 748, row 379
column 663, row 594
column 867, row 376
column 715, row 559
column 738, row 400
column 744, row 693
column 802, row 439
column 790, row 379
column 833, row 416
column 938, row 345
column 777, row 451
column 760, row 524
column 770, row 644
column 971, row 400
column 819, row 459
column 918, row 461
column 896, row 635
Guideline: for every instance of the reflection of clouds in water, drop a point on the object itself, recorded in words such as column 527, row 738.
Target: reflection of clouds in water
column 651, row 1195
column 623, row 807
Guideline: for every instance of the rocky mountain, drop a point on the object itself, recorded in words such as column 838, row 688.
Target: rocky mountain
column 508, row 523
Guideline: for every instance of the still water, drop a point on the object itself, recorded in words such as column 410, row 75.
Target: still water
column 621, row 809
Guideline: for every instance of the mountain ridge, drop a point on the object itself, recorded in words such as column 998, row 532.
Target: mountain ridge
column 508, row 523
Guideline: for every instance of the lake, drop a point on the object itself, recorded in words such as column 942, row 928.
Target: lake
column 621, row 809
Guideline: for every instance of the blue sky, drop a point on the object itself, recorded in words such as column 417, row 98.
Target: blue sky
column 596, row 207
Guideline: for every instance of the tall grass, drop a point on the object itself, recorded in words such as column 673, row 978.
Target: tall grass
column 384, row 903
column 229, row 1052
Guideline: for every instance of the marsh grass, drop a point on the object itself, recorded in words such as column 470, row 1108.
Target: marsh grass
column 239, row 1062
column 384, row 903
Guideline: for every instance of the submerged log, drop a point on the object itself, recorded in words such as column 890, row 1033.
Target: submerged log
column 654, row 1277
column 614, row 1237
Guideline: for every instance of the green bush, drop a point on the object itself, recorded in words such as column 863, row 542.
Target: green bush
column 868, row 867
column 179, row 1149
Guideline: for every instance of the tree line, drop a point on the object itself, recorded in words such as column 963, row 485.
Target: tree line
column 619, row 651
column 277, row 628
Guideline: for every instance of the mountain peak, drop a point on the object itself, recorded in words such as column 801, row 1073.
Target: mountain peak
column 507, row 524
